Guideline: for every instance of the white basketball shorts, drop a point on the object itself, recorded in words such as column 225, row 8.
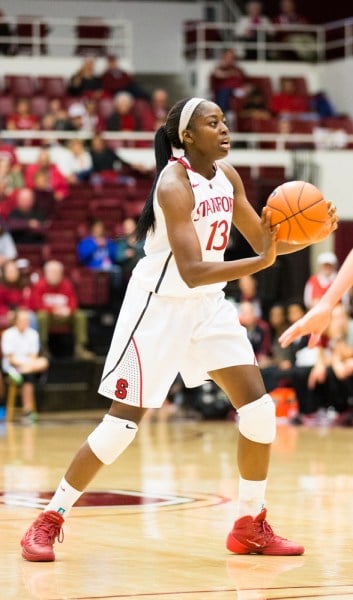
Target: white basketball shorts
column 157, row 337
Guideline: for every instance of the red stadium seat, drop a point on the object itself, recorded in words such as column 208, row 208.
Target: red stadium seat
column 92, row 287
column 39, row 105
column 7, row 105
column 27, row 29
column 52, row 87
column 20, row 85
column 91, row 28
column 264, row 84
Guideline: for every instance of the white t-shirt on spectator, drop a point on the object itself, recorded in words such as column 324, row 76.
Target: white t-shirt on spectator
column 20, row 345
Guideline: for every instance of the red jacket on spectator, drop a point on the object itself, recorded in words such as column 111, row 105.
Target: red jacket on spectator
column 23, row 121
column 8, row 151
column 48, row 297
column 58, row 182
column 284, row 103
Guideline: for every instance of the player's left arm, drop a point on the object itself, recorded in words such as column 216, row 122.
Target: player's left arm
column 248, row 222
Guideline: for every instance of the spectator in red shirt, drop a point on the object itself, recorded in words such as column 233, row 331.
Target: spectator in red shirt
column 14, row 293
column 55, row 302
column 227, row 79
column 56, row 181
column 22, row 119
column 115, row 79
column 287, row 102
column 124, row 116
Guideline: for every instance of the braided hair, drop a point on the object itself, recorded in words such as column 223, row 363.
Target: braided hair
column 166, row 137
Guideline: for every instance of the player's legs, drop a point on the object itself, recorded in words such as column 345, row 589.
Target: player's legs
column 85, row 463
column 251, row 533
column 108, row 440
column 243, row 384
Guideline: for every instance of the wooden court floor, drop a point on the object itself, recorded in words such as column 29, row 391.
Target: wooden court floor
column 153, row 525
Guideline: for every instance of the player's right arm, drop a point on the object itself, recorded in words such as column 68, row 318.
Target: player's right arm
column 318, row 318
column 177, row 201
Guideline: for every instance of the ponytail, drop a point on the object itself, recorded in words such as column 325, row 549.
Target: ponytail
column 166, row 138
column 162, row 152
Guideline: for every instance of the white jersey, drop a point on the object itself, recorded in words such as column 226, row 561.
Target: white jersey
column 212, row 217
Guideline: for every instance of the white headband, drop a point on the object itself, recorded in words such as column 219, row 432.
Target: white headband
column 186, row 114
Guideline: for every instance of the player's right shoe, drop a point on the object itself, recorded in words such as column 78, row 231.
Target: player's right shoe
column 38, row 541
column 253, row 535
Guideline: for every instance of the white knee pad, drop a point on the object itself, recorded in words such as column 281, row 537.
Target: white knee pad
column 111, row 438
column 257, row 420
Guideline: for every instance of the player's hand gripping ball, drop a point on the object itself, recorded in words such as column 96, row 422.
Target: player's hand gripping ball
column 301, row 211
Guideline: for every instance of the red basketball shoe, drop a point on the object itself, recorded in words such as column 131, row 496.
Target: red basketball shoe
column 38, row 541
column 255, row 536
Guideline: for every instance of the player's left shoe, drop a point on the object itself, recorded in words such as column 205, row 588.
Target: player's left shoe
column 255, row 536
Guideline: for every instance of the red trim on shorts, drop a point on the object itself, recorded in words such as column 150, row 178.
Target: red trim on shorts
column 140, row 368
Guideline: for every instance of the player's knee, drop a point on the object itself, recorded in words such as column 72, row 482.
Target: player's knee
column 257, row 420
column 111, row 437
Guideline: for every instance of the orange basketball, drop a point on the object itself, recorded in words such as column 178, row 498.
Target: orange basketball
column 300, row 210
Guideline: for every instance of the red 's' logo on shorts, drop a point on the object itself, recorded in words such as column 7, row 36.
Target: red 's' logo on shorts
column 121, row 389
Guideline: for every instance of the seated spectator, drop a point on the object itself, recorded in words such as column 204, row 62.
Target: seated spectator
column 246, row 28
column 93, row 122
column 84, row 82
column 8, row 250
column 301, row 41
column 81, row 162
column 307, row 374
column 56, row 117
column 25, row 221
column 15, row 293
column 124, row 116
column 115, row 79
column 322, row 105
column 227, row 79
column 56, row 182
column 247, row 292
column 107, row 166
column 8, row 151
column 76, row 117
column 128, row 249
column 160, row 106
column 97, row 251
column 320, row 281
column 277, row 372
column 287, row 103
column 340, row 334
column 255, row 106
column 11, row 177
column 22, row 119
column 258, row 332
column 55, row 302
column 22, row 361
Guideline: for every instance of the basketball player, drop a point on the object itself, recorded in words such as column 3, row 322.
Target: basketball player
column 318, row 318
column 175, row 319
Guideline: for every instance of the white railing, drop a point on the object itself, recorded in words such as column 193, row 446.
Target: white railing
column 279, row 142
column 38, row 36
column 322, row 42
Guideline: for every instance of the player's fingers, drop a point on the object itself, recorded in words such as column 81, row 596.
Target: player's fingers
column 314, row 340
column 289, row 335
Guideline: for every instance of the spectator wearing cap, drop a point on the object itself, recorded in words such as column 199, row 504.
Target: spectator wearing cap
column 319, row 282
